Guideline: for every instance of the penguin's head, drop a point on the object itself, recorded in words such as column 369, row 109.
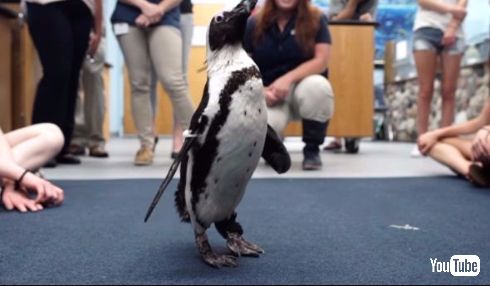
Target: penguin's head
column 227, row 28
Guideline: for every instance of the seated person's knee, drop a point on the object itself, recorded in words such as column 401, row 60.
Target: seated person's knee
column 315, row 98
column 53, row 136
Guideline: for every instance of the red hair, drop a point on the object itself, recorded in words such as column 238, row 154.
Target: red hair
column 306, row 26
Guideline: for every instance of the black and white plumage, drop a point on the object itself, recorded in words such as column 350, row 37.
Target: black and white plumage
column 227, row 137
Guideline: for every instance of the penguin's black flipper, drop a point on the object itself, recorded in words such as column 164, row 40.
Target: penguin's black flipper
column 196, row 128
column 171, row 172
column 275, row 153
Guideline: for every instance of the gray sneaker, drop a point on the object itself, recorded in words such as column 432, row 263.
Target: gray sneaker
column 312, row 161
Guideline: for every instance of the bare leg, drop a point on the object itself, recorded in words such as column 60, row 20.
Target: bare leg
column 425, row 62
column 463, row 145
column 34, row 145
column 31, row 147
column 451, row 66
column 454, row 153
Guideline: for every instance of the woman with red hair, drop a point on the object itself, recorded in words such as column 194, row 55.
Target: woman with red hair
column 290, row 42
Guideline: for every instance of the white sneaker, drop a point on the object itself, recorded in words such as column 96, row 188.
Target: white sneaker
column 416, row 152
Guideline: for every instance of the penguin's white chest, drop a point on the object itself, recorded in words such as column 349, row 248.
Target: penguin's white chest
column 241, row 140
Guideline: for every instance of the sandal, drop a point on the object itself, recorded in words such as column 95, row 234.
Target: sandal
column 479, row 176
column 333, row 146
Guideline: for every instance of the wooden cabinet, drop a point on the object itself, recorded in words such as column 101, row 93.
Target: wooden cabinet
column 5, row 73
column 19, row 72
column 351, row 72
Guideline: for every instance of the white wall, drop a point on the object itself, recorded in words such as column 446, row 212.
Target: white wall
column 477, row 22
column 116, row 84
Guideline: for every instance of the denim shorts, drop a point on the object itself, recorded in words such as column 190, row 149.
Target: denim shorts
column 429, row 39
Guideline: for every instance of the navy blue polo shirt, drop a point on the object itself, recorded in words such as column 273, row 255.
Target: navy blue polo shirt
column 278, row 52
column 124, row 13
column 186, row 7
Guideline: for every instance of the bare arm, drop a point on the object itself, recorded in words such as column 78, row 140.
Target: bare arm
column 435, row 5
column 169, row 4
column 456, row 21
column 279, row 89
column 428, row 139
column 98, row 17
column 151, row 13
column 348, row 11
column 468, row 127
column 443, row 8
column 11, row 172
column 150, row 10
column 8, row 168
column 451, row 31
column 97, row 32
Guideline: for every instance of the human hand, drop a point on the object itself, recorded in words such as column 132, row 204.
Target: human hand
column 449, row 37
column 366, row 17
column 142, row 21
column 46, row 192
column 480, row 148
column 13, row 199
column 152, row 11
column 458, row 12
column 280, row 87
column 271, row 98
column 94, row 42
column 426, row 141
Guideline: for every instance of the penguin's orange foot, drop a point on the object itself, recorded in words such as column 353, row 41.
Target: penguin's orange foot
column 240, row 247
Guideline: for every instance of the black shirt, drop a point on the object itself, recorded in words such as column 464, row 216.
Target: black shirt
column 278, row 52
column 186, row 7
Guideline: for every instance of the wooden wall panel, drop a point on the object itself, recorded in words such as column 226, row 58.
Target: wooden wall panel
column 5, row 75
column 351, row 74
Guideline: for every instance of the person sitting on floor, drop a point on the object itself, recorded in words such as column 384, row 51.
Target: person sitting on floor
column 468, row 158
column 23, row 151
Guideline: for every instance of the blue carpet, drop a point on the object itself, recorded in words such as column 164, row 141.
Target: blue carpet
column 314, row 231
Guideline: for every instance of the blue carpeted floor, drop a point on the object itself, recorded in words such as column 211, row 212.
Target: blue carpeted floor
column 314, row 231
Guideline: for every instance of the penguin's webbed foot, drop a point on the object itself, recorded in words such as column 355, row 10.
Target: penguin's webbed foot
column 210, row 257
column 218, row 261
column 240, row 247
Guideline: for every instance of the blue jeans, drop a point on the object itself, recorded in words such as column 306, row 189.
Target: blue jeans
column 430, row 39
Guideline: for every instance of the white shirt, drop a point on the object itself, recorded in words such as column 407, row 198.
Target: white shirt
column 430, row 18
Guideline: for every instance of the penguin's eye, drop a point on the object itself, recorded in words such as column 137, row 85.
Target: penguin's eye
column 219, row 18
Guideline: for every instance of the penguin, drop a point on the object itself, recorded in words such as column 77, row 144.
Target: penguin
column 227, row 137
